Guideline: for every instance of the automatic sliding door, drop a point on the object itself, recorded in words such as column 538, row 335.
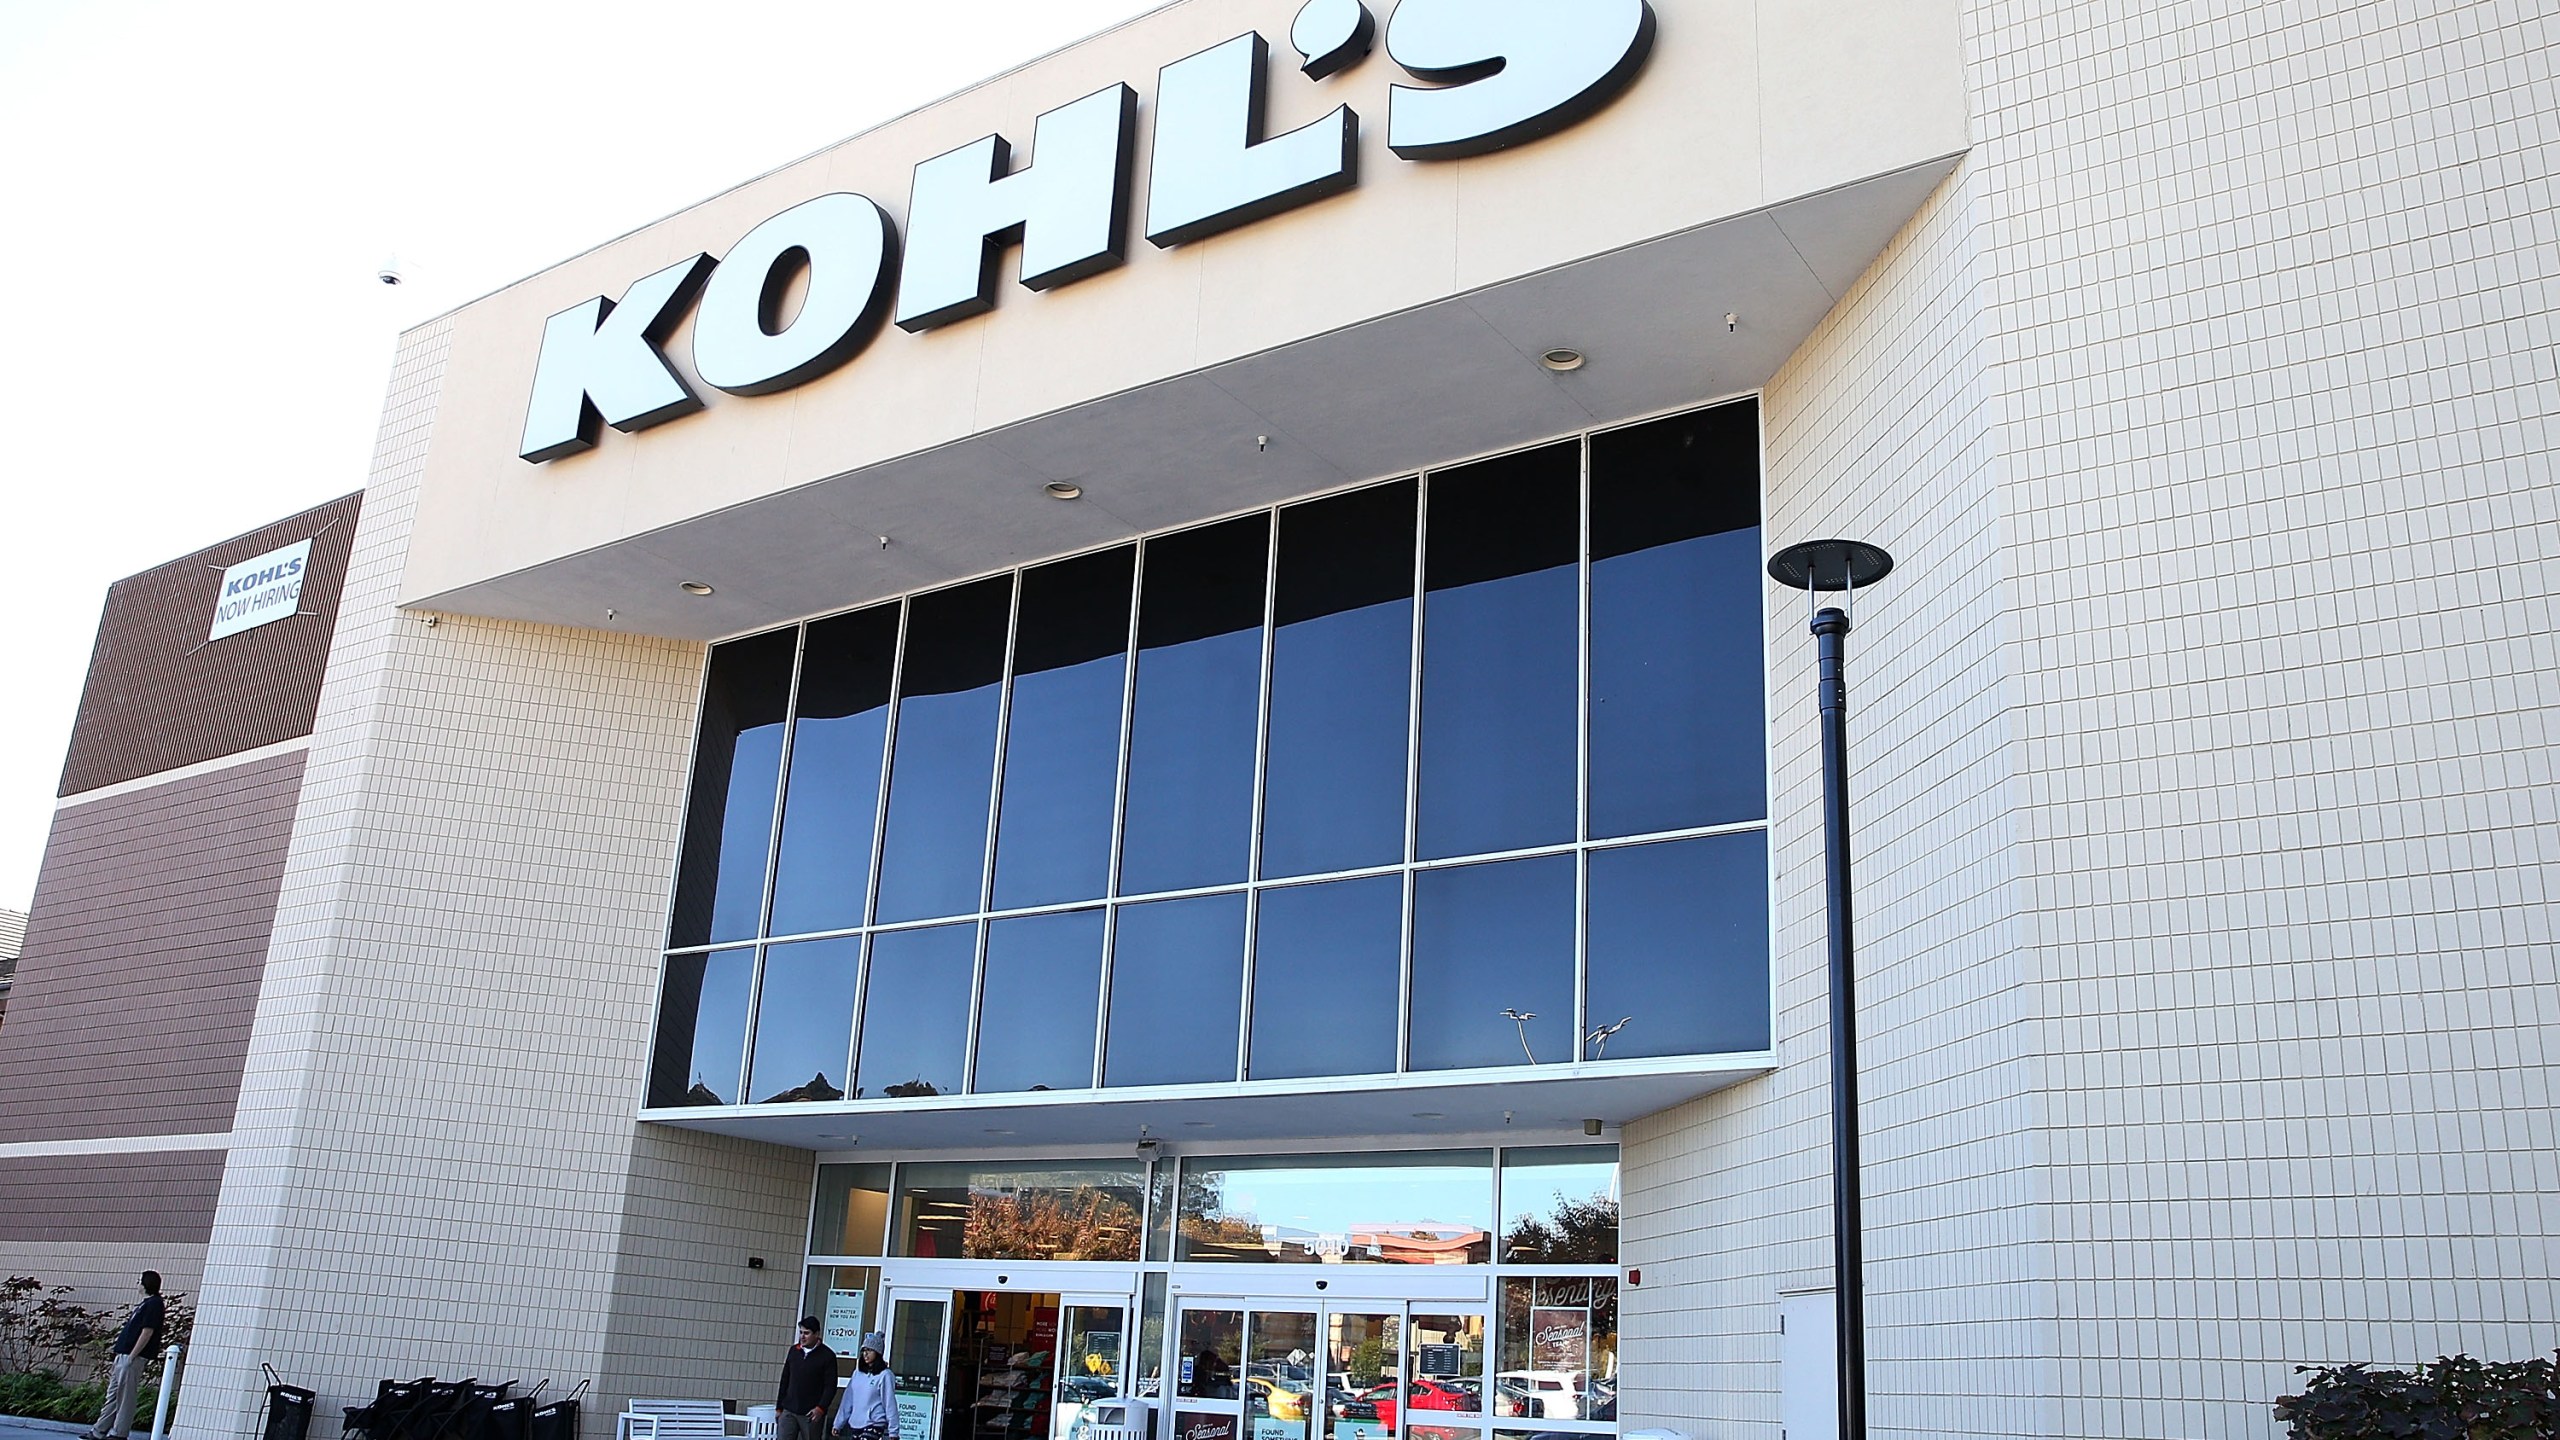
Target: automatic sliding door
column 1281, row 1360
column 1093, row 1347
column 1363, row 1355
column 1208, row 1355
column 919, row 1329
column 1444, row 1381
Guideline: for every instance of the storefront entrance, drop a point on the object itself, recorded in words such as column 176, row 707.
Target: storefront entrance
column 1004, row 1364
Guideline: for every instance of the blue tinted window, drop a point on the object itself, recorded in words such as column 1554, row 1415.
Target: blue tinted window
column 1501, row 660
column 948, row 692
column 915, row 1012
column 729, row 819
column 1678, row 724
column 1190, row 813
column 1341, row 683
column 1062, row 745
column 1679, row 947
column 1489, row 939
column 1177, row 991
column 702, row 1028
column 824, row 872
column 1035, row 1020
column 804, row 1021
column 1327, row 974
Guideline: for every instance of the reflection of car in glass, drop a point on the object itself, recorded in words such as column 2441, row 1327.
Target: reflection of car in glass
column 1087, row 1388
column 1418, row 1395
column 1265, row 1396
column 1539, row 1394
column 1343, row 1404
column 1604, row 1400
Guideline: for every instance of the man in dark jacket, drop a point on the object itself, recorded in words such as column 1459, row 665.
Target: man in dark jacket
column 808, row 1389
column 137, row 1345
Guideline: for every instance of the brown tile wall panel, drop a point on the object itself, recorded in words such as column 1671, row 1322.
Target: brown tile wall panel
column 163, row 1196
column 131, row 1011
column 159, row 696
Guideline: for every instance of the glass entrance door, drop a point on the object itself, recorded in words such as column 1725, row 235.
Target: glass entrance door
column 919, row 1327
column 1281, row 1365
column 1093, row 1358
column 1208, row 1356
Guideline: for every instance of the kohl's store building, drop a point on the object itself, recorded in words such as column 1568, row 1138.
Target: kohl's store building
column 1131, row 728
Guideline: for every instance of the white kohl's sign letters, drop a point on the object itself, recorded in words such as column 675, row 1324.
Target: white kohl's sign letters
column 260, row 590
column 1496, row 73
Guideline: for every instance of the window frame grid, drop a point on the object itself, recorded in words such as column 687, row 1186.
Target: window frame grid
column 1409, row 868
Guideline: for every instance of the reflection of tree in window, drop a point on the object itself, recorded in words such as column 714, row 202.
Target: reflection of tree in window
column 1572, row 1232
column 1080, row 1224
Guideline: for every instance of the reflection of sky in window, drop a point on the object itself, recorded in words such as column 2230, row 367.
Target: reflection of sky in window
column 1366, row 1192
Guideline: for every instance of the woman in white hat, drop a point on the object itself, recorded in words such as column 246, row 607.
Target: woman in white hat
column 868, row 1408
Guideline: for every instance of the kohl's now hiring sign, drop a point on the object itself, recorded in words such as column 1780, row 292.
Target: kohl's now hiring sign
column 261, row 590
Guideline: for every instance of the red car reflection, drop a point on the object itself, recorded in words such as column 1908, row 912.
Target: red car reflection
column 1418, row 1395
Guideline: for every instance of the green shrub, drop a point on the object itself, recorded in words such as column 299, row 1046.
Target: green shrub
column 2456, row 1398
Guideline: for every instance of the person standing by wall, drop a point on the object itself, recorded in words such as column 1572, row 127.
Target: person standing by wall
column 808, row 1388
column 137, row 1345
column 868, row 1410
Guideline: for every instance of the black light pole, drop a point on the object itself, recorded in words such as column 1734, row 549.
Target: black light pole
column 1845, row 566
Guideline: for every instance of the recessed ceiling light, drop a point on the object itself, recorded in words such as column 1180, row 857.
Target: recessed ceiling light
column 1430, row 1115
column 1064, row 490
column 837, row 1135
column 1562, row 361
column 992, row 1130
column 1201, row 1124
column 694, row 587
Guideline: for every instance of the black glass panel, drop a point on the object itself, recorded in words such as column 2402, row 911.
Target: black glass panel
column 1493, row 964
column 1500, row 660
column 1327, row 972
column 1035, row 1021
column 936, row 851
column 915, row 1012
column 824, row 872
column 1190, row 814
column 1678, row 723
column 804, row 1021
column 702, row 1029
column 729, row 819
column 1341, row 683
column 1679, row 947
column 1062, row 745
column 1177, row 991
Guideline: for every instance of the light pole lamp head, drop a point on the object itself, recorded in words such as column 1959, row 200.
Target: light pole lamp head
column 1842, row 566
column 1830, row 565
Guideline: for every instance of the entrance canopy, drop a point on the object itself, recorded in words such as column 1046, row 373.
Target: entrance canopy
column 1550, row 1102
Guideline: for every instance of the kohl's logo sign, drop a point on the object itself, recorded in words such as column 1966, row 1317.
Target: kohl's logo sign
column 260, row 590
column 1499, row 73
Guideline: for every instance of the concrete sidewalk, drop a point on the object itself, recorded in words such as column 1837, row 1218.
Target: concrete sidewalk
column 18, row 1427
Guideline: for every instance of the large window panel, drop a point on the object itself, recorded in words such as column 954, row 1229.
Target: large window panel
column 804, row 1021
column 1177, row 992
column 1493, row 964
column 1560, row 1205
column 1415, row 1208
column 1679, row 947
column 823, row 875
column 702, row 1028
column 1327, row 976
column 1189, row 821
column 1036, row 1010
column 1501, row 658
column 1061, row 1210
column 1062, row 733
column 852, row 1210
column 1341, row 683
column 915, row 1012
column 949, row 694
column 737, row 762
column 1679, row 723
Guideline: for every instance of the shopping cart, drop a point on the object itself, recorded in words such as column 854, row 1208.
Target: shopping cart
column 393, row 1400
column 559, row 1419
column 289, row 1407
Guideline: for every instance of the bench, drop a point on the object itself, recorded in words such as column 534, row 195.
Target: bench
column 672, row 1420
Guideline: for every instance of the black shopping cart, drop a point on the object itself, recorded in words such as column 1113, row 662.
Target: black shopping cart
column 393, row 1400
column 559, row 1419
column 511, row 1417
column 288, row 1408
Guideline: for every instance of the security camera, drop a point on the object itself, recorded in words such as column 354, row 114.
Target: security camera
column 1148, row 1148
column 389, row 274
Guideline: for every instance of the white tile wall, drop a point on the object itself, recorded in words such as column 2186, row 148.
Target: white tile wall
column 2207, row 825
column 435, row 1167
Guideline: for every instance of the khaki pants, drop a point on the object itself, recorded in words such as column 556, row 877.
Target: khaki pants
column 124, row 1389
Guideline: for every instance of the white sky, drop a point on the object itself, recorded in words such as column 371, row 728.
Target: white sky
column 195, row 197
